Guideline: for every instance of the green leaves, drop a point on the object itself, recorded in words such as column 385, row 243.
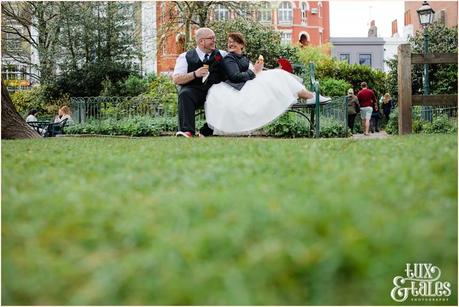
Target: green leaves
column 260, row 39
column 354, row 74
column 334, row 88
column 441, row 123
column 443, row 77
column 134, row 126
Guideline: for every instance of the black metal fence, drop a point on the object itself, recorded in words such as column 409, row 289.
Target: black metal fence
column 86, row 108
column 333, row 115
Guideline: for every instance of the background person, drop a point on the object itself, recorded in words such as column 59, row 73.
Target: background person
column 375, row 118
column 353, row 108
column 63, row 113
column 387, row 105
column 32, row 116
column 367, row 100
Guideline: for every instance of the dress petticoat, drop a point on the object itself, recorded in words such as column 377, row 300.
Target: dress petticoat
column 257, row 104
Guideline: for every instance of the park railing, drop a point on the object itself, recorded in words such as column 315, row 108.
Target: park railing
column 102, row 107
column 434, row 111
column 327, row 119
column 332, row 115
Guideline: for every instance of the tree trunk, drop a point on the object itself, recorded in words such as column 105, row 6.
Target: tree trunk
column 13, row 126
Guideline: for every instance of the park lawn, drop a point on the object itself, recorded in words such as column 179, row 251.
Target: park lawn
column 235, row 221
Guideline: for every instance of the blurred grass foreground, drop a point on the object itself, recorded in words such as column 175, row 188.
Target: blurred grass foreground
column 234, row 221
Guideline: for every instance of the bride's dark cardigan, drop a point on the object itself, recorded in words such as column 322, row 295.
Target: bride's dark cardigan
column 236, row 67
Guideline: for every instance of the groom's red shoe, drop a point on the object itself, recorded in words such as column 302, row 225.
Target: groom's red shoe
column 186, row 134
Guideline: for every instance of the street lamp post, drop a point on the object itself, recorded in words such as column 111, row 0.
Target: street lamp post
column 426, row 15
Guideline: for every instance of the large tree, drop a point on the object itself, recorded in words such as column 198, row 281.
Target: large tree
column 99, row 44
column 13, row 125
column 37, row 24
column 71, row 36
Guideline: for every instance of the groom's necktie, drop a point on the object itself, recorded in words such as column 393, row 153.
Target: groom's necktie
column 206, row 58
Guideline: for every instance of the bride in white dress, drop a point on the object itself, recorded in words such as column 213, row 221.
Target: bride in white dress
column 251, row 97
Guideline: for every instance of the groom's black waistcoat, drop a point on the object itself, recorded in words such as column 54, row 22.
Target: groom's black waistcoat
column 215, row 68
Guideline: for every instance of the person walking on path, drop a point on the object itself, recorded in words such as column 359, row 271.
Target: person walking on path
column 353, row 108
column 367, row 100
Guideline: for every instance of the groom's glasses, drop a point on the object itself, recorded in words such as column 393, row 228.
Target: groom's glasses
column 211, row 38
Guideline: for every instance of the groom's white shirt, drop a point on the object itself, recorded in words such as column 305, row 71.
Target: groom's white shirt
column 181, row 65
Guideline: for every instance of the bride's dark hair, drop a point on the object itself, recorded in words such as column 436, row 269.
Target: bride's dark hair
column 237, row 37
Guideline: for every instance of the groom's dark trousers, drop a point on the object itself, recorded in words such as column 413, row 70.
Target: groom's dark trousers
column 190, row 99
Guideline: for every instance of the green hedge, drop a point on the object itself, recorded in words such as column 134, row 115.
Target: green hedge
column 286, row 126
column 440, row 124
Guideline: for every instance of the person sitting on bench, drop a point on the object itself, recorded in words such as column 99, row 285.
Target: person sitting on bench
column 64, row 113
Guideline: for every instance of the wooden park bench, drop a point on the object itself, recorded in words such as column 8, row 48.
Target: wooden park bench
column 49, row 129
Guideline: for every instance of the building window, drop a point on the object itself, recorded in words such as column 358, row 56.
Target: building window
column 286, row 38
column 221, row 12
column 14, row 72
column 407, row 18
column 13, row 41
column 365, row 59
column 345, row 57
column 304, row 12
column 264, row 13
column 245, row 10
column 285, row 12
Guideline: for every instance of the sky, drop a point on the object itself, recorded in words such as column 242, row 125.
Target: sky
column 352, row 18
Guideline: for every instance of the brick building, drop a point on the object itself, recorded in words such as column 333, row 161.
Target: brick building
column 290, row 18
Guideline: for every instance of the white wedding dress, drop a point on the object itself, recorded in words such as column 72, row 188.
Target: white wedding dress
column 258, row 103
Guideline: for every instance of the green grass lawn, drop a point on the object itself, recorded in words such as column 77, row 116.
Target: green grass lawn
column 241, row 221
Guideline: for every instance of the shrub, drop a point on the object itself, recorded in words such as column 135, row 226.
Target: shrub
column 92, row 80
column 417, row 125
column 316, row 55
column 439, row 124
column 135, row 126
column 392, row 123
column 333, row 129
column 163, row 90
column 37, row 98
column 287, row 126
column 24, row 101
column 131, row 126
column 353, row 74
column 290, row 125
column 133, row 86
column 333, row 87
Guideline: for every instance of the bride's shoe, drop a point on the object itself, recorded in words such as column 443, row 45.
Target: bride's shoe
column 321, row 99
